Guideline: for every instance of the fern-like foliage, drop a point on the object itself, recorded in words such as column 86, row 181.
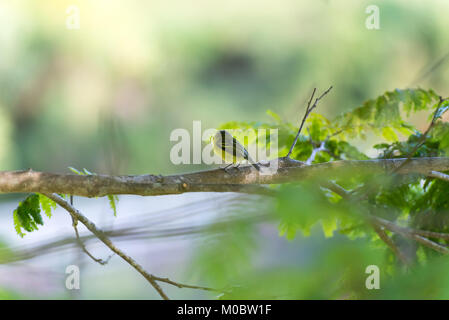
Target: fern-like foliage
column 28, row 216
column 299, row 208
column 385, row 114
column 47, row 205
column 113, row 199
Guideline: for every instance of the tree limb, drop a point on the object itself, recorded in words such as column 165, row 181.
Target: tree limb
column 217, row 180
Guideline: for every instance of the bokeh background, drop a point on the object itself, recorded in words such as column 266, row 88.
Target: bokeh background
column 107, row 95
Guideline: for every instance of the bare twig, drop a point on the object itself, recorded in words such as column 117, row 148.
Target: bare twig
column 439, row 175
column 423, row 137
column 429, row 243
column 377, row 228
column 367, row 189
column 83, row 247
column 100, row 235
column 181, row 285
column 428, row 70
column 80, row 242
column 139, row 230
column 105, row 239
column 389, row 242
column 417, row 235
column 315, row 152
column 320, row 146
column 309, row 109
column 395, row 228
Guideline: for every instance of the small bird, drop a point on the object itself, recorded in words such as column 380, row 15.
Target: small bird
column 226, row 146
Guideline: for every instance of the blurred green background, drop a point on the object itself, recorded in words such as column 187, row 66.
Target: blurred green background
column 107, row 96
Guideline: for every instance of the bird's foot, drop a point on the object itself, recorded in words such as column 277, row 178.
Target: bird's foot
column 226, row 168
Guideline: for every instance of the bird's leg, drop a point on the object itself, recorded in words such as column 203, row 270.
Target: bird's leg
column 226, row 167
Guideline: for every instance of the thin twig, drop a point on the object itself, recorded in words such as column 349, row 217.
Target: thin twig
column 395, row 228
column 369, row 188
column 103, row 238
column 410, row 233
column 137, row 230
column 377, row 228
column 76, row 214
column 309, row 109
column 315, row 152
column 80, row 242
column 423, row 137
column 439, row 175
column 417, row 235
column 320, row 146
column 429, row 243
column 83, row 247
column 385, row 238
column 181, row 285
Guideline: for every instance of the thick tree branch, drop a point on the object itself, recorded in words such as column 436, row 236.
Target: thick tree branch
column 237, row 180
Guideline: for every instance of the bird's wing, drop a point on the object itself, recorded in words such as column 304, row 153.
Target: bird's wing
column 229, row 146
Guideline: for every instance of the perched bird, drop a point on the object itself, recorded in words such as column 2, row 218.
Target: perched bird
column 228, row 148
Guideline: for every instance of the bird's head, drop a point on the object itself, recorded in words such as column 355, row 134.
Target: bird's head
column 218, row 136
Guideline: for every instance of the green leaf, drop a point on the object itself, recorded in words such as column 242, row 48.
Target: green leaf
column 113, row 199
column 318, row 127
column 329, row 226
column 28, row 215
column 389, row 134
column 47, row 205
column 274, row 115
column 17, row 224
column 384, row 112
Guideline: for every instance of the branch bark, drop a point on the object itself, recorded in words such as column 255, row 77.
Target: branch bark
column 242, row 179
